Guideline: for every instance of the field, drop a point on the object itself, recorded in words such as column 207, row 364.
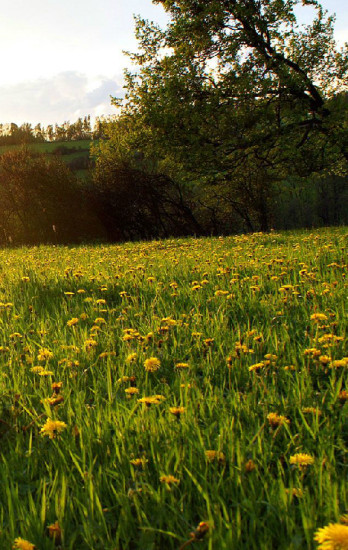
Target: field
column 177, row 394
column 79, row 155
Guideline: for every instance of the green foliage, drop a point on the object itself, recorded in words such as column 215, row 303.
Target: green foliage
column 232, row 99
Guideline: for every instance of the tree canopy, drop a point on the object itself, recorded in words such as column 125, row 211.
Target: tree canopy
column 234, row 98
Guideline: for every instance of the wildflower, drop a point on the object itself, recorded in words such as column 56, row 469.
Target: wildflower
column 131, row 358
column 177, row 411
column 295, row 492
column 311, row 410
column 100, row 321
column 169, row 479
column 324, row 359
column 221, row 292
column 131, row 391
column 107, row 354
column 90, row 344
column 152, row 400
column 52, row 428
column 302, row 460
column 44, row 354
column 55, row 532
column 343, row 396
column 319, row 317
column 211, row 456
column 23, row 544
column 275, row 420
column 312, row 351
column 54, row 400
column 250, row 466
column 16, row 335
column 37, row 369
column 256, row 367
column 152, row 364
column 201, row 530
column 271, row 357
column 139, row 462
column 72, row 322
column 182, row 366
column 332, row 537
column 340, row 363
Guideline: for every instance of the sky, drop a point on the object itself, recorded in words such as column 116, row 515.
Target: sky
column 62, row 59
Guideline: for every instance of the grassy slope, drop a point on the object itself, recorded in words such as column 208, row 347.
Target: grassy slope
column 83, row 147
column 218, row 305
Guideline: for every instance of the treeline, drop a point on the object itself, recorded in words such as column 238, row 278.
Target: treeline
column 235, row 119
column 81, row 129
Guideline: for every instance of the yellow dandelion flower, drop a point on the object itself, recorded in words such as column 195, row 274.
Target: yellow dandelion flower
column 131, row 358
column 311, row 410
column 275, row 420
column 343, row 396
column 90, row 344
column 200, row 531
column 221, row 292
column 332, row 537
column 139, row 462
column 72, row 322
column 256, row 367
column 55, row 400
column 52, row 428
column 295, row 492
column 55, row 532
column 100, row 321
column 250, row 466
column 182, row 366
column 152, row 364
column 44, row 354
column 37, row 369
column 131, row 391
column 212, row 456
column 319, row 317
column 169, row 479
column 302, row 460
column 23, row 544
column 324, row 359
column 340, row 363
column 177, row 411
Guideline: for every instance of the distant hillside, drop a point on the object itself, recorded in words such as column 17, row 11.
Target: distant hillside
column 76, row 154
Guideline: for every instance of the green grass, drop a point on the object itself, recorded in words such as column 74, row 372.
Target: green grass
column 218, row 305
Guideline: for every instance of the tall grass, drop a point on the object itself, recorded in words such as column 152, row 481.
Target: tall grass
column 234, row 325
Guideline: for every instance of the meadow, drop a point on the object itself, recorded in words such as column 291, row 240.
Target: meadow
column 187, row 393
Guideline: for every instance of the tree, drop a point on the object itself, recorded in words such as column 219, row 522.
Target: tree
column 235, row 96
column 41, row 200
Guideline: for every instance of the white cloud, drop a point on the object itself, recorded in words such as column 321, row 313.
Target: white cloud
column 65, row 96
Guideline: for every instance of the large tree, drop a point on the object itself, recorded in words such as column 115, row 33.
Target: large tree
column 235, row 96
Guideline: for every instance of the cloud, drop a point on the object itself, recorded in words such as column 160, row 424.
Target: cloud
column 65, row 96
